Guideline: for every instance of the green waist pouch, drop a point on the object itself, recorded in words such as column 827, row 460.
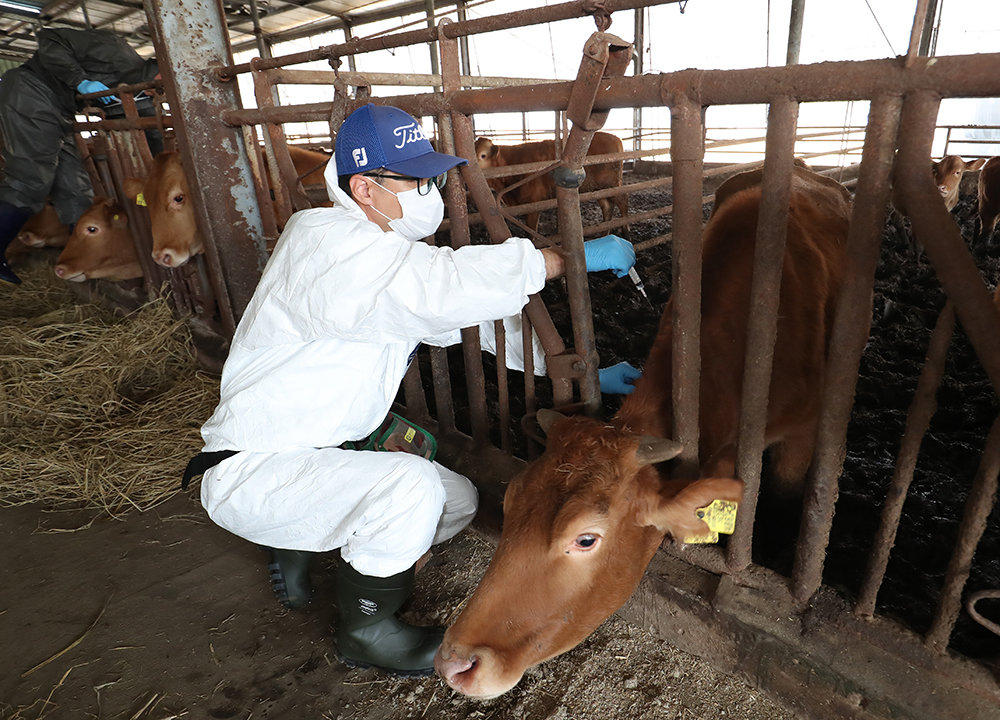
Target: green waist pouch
column 397, row 434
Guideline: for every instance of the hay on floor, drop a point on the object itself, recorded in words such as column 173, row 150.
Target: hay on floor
column 96, row 410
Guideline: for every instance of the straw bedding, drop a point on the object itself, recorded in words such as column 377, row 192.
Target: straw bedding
column 96, row 411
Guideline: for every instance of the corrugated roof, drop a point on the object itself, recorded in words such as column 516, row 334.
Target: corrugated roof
column 128, row 19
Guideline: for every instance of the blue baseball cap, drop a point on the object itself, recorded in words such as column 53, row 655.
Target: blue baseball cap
column 382, row 136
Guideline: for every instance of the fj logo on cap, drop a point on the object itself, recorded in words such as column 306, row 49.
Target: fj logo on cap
column 408, row 134
column 360, row 157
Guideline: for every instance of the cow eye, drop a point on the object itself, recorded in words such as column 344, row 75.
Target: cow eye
column 178, row 199
column 92, row 229
column 586, row 542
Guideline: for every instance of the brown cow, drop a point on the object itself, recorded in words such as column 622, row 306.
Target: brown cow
column 599, row 177
column 989, row 197
column 101, row 246
column 948, row 173
column 582, row 521
column 44, row 229
column 165, row 192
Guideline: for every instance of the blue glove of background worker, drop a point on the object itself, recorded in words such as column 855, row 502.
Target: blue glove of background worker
column 609, row 253
column 92, row 86
column 618, row 378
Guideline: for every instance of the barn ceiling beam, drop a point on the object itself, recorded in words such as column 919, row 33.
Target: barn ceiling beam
column 506, row 21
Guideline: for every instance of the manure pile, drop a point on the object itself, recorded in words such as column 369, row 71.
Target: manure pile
column 96, row 410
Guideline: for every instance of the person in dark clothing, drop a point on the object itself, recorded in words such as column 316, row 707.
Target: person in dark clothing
column 37, row 107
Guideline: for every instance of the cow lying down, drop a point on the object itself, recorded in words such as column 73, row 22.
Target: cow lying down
column 582, row 522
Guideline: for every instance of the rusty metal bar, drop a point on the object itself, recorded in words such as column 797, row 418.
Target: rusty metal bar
column 917, row 30
column 479, row 191
column 687, row 155
column 270, row 175
column 978, row 506
column 935, row 229
column 460, row 237
column 970, row 606
column 851, row 325
column 283, row 76
column 953, row 76
column 918, row 419
column 762, row 328
column 455, row 30
column 443, row 403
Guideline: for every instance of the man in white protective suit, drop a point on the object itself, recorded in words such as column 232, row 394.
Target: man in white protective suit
column 317, row 360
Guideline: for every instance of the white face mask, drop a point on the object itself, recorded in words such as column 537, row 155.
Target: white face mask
column 422, row 214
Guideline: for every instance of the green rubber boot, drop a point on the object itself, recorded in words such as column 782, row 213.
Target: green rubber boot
column 368, row 632
column 289, row 571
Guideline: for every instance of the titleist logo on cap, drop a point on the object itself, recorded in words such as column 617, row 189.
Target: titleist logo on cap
column 408, row 134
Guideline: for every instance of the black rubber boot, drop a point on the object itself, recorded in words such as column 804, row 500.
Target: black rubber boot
column 12, row 219
column 368, row 632
column 289, row 570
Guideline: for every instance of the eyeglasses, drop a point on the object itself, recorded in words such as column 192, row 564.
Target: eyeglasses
column 423, row 184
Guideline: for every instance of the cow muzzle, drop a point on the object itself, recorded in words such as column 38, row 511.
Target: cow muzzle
column 475, row 673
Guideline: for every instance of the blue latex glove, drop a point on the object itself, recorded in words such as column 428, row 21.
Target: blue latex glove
column 609, row 253
column 92, row 86
column 618, row 378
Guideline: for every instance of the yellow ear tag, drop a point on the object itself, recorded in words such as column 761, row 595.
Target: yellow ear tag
column 720, row 517
column 140, row 200
column 115, row 217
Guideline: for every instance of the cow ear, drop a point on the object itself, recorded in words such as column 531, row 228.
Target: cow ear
column 133, row 187
column 547, row 418
column 653, row 450
column 976, row 164
column 678, row 515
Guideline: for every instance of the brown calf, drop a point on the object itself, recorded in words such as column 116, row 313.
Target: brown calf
column 989, row 197
column 948, row 173
column 101, row 246
column 582, row 521
column 599, row 177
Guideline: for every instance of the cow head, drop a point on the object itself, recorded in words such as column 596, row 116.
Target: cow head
column 100, row 246
column 166, row 194
column 44, row 229
column 487, row 154
column 948, row 173
column 580, row 526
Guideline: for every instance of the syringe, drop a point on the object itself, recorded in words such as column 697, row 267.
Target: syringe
column 638, row 283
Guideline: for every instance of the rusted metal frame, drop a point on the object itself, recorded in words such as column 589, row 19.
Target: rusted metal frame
column 849, row 334
column 528, row 352
column 190, row 34
column 413, row 392
column 687, row 156
column 482, row 196
column 284, row 76
column 460, row 237
column 443, row 402
column 953, row 76
column 920, row 17
column 271, row 175
column 978, row 506
column 138, row 219
column 604, row 56
column 142, row 123
column 935, row 229
column 138, row 136
column 918, row 419
column 268, row 214
column 762, row 327
column 455, row 30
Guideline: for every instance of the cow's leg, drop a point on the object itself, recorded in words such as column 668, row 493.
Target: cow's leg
column 791, row 458
column 622, row 202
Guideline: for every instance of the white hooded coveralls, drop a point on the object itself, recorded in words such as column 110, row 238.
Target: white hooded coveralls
column 317, row 360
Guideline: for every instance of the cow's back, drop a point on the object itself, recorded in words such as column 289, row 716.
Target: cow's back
column 812, row 274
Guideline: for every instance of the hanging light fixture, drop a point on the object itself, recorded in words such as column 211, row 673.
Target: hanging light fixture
column 19, row 7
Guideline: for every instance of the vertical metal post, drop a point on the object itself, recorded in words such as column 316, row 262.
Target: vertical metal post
column 762, row 328
column 795, row 32
column 687, row 155
column 191, row 36
column 851, row 326
column 637, row 69
column 435, row 68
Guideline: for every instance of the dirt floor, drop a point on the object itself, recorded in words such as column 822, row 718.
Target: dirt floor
column 164, row 615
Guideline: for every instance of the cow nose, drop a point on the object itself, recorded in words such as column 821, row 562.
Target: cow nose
column 457, row 671
column 165, row 259
column 60, row 270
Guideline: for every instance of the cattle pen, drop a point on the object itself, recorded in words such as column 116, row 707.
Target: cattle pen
column 825, row 650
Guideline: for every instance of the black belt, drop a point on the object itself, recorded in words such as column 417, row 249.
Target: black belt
column 202, row 462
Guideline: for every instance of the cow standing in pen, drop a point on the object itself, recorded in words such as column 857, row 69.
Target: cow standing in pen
column 599, row 177
column 582, row 522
